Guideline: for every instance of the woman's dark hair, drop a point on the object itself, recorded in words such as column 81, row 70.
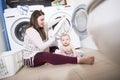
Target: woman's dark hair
column 34, row 23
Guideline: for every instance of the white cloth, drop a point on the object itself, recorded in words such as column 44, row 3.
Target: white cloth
column 23, row 9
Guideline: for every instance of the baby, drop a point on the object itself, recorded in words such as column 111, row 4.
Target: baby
column 66, row 48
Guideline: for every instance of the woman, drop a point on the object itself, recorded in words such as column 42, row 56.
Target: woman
column 37, row 45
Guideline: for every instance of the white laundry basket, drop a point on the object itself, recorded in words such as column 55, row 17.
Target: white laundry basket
column 10, row 63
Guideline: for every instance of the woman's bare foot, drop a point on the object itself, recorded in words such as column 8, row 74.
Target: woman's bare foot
column 86, row 60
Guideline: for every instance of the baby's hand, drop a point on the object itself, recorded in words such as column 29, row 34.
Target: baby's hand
column 63, row 54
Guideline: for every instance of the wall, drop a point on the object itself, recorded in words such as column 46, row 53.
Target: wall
column 3, row 46
column 75, row 3
column 2, row 38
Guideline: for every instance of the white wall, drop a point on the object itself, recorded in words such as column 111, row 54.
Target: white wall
column 75, row 3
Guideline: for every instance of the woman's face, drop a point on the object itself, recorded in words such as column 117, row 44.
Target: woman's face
column 40, row 21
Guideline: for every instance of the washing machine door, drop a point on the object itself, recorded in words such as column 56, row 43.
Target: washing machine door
column 79, row 20
column 65, row 26
column 18, row 30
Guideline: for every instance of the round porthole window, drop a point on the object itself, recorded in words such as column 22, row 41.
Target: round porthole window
column 18, row 30
column 79, row 19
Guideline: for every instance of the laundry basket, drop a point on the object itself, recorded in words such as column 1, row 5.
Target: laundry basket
column 10, row 63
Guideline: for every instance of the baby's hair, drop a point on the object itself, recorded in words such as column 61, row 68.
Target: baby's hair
column 65, row 35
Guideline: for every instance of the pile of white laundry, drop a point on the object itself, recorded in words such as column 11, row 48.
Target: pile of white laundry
column 23, row 9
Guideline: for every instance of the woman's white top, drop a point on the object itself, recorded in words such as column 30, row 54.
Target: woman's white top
column 33, row 43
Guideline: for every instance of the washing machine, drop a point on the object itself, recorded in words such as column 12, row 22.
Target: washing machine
column 54, row 12
column 16, row 23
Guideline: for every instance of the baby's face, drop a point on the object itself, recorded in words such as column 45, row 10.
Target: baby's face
column 65, row 40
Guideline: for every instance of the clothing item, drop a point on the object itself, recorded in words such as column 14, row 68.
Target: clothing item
column 45, row 57
column 69, row 54
column 33, row 43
